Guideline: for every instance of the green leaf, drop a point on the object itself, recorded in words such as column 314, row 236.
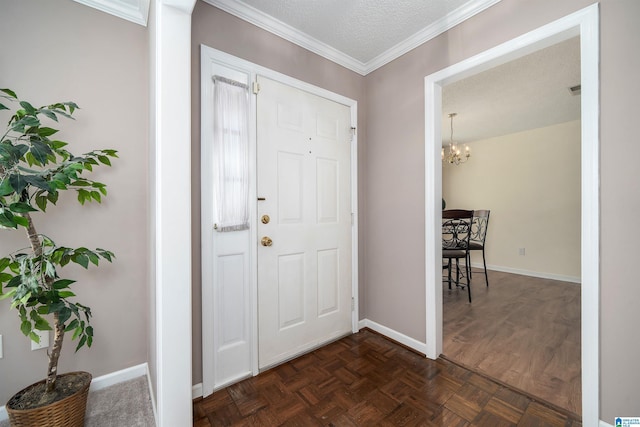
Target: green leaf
column 56, row 145
column 21, row 221
column 81, row 259
column 62, row 283
column 21, row 207
column 105, row 160
column 7, row 219
column 49, row 114
column 38, row 181
column 41, row 202
column 34, row 337
column 94, row 258
column 66, row 294
column 77, row 332
column 63, row 315
column 96, row 196
column 83, row 340
column 42, row 324
column 40, row 151
column 47, row 131
column 4, row 263
column 9, row 92
column 5, row 188
column 18, row 182
column 72, row 325
column 27, row 107
column 25, row 327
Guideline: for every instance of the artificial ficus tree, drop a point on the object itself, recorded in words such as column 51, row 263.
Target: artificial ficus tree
column 34, row 169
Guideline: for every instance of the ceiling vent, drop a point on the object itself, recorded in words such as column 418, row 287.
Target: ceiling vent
column 575, row 90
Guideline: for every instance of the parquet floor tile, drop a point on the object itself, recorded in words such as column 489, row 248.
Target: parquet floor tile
column 367, row 380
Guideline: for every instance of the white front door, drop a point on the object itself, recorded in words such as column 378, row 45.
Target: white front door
column 304, row 246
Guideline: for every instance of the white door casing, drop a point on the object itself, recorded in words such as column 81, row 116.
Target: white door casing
column 304, row 276
column 584, row 23
column 220, row 370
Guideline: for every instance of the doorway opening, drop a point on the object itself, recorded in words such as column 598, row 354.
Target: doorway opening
column 583, row 23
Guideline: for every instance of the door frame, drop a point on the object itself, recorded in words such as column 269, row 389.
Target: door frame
column 584, row 23
column 210, row 56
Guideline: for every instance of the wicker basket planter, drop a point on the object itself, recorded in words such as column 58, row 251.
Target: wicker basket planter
column 67, row 412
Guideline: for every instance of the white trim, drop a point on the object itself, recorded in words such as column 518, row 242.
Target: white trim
column 287, row 32
column 603, row 424
column 207, row 55
column 538, row 274
column 442, row 25
column 170, row 184
column 268, row 23
column 585, row 23
column 394, row 335
column 196, row 391
column 107, row 380
column 137, row 13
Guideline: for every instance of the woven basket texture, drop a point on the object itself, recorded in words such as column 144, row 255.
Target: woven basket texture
column 68, row 412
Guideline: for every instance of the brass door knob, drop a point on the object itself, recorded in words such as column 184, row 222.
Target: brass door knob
column 266, row 241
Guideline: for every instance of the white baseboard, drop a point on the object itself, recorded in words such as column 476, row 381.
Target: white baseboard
column 603, row 424
column 196, row 391
column 108, row 380
column 552, row 276
column 394, row 335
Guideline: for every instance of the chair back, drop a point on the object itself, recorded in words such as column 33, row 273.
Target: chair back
column 456, row 228
column 479, row 226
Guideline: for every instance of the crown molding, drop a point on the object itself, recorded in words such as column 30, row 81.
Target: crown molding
column 138, row 12
column 440, row 26
column 287, row 32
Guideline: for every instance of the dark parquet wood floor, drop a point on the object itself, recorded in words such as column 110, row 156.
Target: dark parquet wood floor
column 523, row 331
column 367, row 380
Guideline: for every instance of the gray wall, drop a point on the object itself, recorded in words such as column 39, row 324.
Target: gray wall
column 58, row 51
column 394, row 205
column 219, row 30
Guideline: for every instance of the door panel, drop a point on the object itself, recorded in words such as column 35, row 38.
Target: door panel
column 304, row 173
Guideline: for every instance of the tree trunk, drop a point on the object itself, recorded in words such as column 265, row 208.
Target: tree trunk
column 52, row 371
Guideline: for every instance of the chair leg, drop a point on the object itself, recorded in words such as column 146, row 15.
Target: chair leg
column 449, row 272
column 469, row 262
column 486, row 277
column 468, row 268
column 457, row 272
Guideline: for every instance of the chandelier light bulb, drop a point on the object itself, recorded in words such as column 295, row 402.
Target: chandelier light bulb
column 454, row 156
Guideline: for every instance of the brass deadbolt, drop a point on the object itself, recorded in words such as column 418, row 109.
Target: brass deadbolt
column 265, row 219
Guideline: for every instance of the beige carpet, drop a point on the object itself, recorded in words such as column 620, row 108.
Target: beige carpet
column 122, row 405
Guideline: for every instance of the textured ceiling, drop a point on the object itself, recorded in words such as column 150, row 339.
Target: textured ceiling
column 361, row 35
column 527, row 93
column 362, row 29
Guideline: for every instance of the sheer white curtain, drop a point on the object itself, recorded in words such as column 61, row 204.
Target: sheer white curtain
column 231, row 154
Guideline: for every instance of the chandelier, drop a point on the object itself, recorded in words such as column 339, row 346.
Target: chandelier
column 453, row 155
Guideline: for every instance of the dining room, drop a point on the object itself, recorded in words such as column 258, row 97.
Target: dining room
column 513, row 149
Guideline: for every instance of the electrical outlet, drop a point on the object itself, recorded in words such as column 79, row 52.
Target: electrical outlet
column 1, row 354
column 44, row 340
column 521, row 251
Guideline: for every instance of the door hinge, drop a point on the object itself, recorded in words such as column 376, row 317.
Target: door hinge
column 353, row 133
column 353, row 304
column 256, row 87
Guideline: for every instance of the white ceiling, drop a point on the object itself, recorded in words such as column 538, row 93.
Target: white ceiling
column 361, row 35
column 527, row 93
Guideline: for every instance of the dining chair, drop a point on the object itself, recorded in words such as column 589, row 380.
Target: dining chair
column 478, row 236
column 456, row 234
